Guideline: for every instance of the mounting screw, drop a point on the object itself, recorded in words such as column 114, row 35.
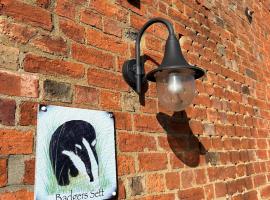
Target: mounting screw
column 249, row 14
column 114, row 193
column 43, row 108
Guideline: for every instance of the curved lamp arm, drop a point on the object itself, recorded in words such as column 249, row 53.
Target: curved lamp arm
column 139, row 70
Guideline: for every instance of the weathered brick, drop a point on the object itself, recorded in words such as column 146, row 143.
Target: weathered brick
column 65, row 8
column 172, row 180
column 29, row 172
column 191, row 194
column 112, row 27
column 86, row 95
column 57, row 91
column 51, row 44
column 110, row 100
column 18, row 84
column 97, row 78
column 9, row 57
column 16, row 142
column 109, row 43
column 37, row 64
column 3, row 172
column 155, row 183
column 91, row 18
column 152, row 161
column 187, row 179
column 72, row 30
column 43, row 3
column 16, row 169
column 170, row 196
column 126, row 165
column 92, row 56
column 27, row 13
column 123, row 121
column 136, row 185
column 109, row 9
column 28, row 113
column 17, row 195
column 146, row 123
column 17, row 32
column 7, row 112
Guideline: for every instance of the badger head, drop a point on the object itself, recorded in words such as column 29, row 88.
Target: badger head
column 84, row 158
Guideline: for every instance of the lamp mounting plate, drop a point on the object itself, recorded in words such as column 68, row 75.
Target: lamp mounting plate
column 129, row 74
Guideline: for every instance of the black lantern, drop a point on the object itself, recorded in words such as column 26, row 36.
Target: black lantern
column 175, row 77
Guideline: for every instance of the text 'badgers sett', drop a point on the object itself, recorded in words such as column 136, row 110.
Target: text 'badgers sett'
column 73, row 142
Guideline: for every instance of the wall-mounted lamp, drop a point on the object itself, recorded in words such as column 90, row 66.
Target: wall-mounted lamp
column 175, row 77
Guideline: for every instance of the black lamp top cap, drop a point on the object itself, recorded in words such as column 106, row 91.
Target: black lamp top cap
column 174, row 61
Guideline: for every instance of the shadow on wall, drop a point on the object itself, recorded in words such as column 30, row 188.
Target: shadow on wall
column 136, row 3
column 183, row 143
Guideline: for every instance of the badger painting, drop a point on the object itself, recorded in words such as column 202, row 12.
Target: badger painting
column 73, row 142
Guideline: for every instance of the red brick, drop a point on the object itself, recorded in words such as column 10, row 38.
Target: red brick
column 27, row 13
column 106, row 79
column 112, row 27
column 43, row 3
column 121, row 190
column 19, row 33
column 7, row 112
column 16, row 142
column 200, row 176
column 150, row 106
column 65, row 8
column 17, row 195
column 110, row 100
column 187, row 179
column 51, row 44
column 37, row 64
column 28, row 113
column 172, row 180
column 72, row 30
column 126, row 165
column 159, row 197
column 209, row 192
column 110, row 10
column 92, row 56
column 29, row 172
column 135, row 142
column 91, row 18
column 146, row 123
column 18, row 85
column 221, row 189
column 196, row 127
column 123, row 121
column 9, row 57
column 175, row 162
column 86, row 95
column 109, row 43
column 155, row 183
column 153, row 43
column 3, row 172
column 259, row 180
column 152, row 161
column 251, row 195
column 265, row 192
column 191, row 194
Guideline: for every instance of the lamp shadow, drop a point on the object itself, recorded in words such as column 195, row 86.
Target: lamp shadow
column 182, row 141
column 136, row 3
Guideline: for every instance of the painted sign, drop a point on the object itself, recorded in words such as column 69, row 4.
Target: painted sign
column 75, row 154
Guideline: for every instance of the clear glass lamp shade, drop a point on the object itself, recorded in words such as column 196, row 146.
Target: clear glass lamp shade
column 175, row 90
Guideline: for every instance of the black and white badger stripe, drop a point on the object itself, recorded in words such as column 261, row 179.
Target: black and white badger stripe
column 72, row 151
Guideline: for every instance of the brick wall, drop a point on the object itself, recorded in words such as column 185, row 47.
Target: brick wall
column 70, row 52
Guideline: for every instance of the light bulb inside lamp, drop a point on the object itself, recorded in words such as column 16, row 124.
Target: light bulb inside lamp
column 175, row 90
